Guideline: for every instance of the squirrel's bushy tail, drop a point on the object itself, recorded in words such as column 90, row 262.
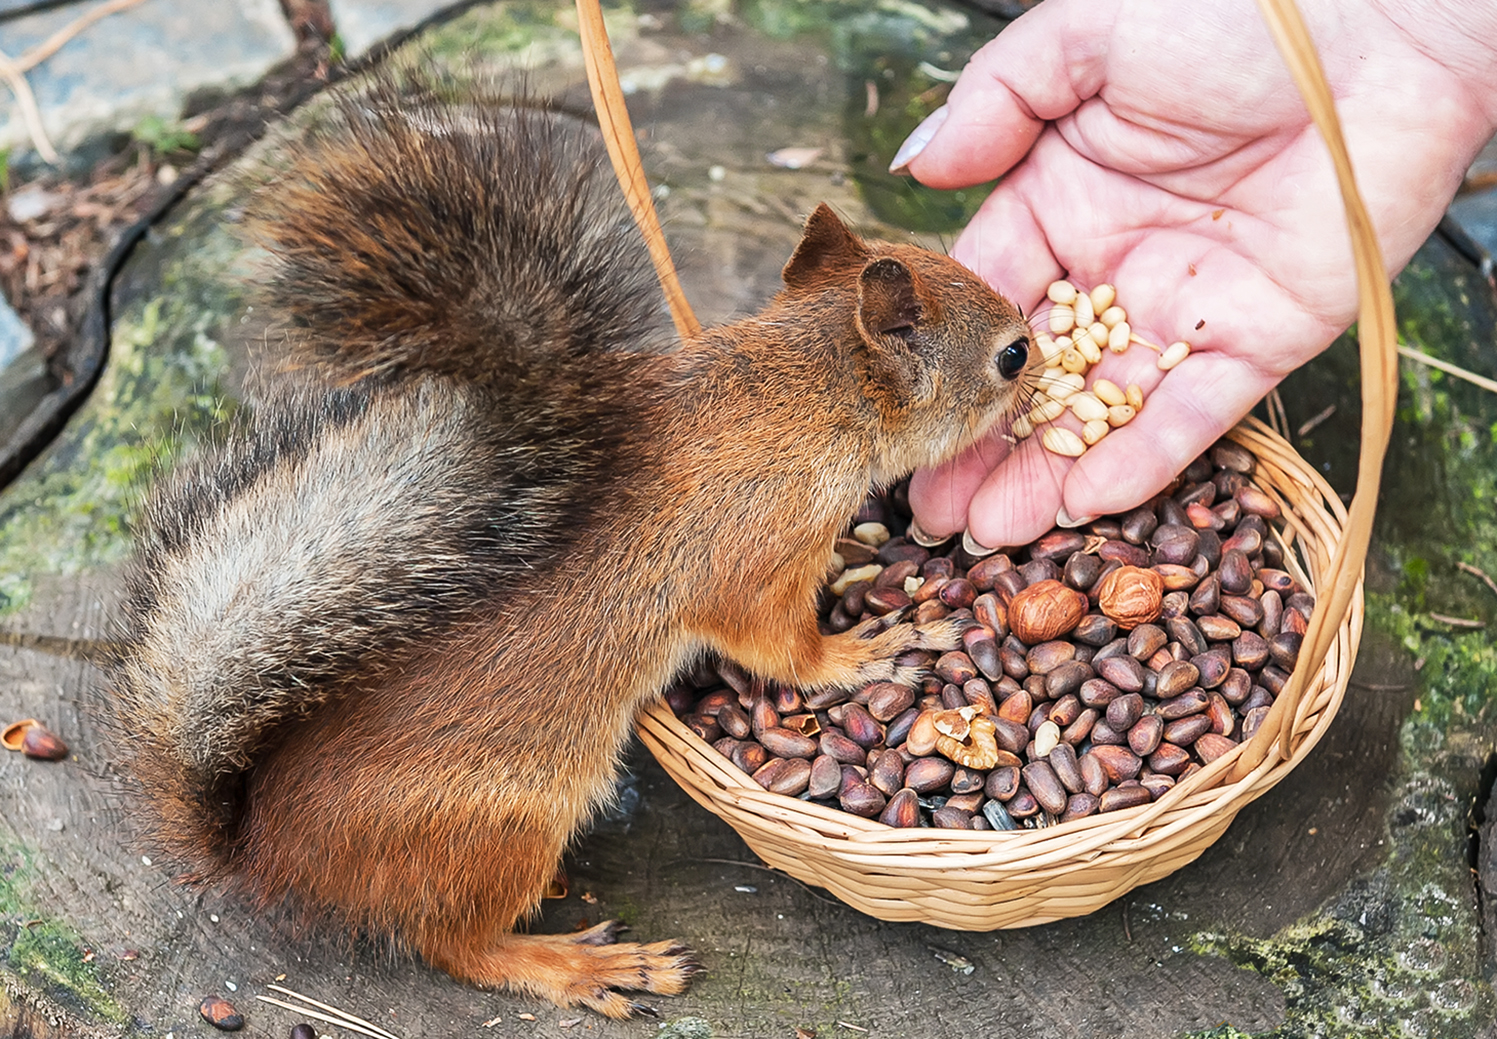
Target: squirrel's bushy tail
column 466, row 277
column 415, row 232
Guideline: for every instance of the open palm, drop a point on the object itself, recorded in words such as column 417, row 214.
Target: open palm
column 1163, row 147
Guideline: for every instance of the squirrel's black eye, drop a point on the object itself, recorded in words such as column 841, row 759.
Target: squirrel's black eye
column 1013, row 358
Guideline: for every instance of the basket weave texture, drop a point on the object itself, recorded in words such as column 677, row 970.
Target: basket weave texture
column 985, row 880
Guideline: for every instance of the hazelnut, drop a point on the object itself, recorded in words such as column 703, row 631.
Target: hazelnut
column 1045, row 610
column 1131, row 596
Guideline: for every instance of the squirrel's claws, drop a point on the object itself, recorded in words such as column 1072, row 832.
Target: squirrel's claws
column 605, row 933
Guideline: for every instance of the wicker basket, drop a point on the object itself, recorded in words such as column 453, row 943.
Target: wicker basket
column 983, row 880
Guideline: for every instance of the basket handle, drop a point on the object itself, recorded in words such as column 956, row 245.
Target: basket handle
column 623, row 152
column 1377, row 337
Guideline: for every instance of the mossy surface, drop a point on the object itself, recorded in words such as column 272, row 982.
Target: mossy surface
column 72, row 509
column 46, row 952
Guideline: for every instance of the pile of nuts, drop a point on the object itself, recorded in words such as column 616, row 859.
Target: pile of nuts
column 1102, row 666
column 1082, row 325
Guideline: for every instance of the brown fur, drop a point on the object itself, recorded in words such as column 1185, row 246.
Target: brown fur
column 404, row 715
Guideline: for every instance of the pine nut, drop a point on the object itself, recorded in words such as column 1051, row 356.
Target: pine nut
column 1061, row 291
column 1120, row 414
column 1103, row 296
column 1087, row 407
column 1117, row 337
column 1062, row 441
column 1062, row 319
column 1082, row 306
column 1046, row 411
column 1107, row 391
column 1173, row 355
column 1094, row 430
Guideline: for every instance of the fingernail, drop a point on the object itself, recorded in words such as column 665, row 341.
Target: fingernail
column 919, row 137
column 1065, row 519
column 917, row 534
column 973, row 548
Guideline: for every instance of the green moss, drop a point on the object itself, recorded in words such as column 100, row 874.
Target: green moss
column 685, row 1028
column 72, row 509
column 46, row 952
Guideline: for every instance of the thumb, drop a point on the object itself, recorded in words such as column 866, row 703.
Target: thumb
column 1038, row 69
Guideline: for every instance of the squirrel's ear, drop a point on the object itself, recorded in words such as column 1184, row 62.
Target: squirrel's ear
column 826, row 245
column 888, row 299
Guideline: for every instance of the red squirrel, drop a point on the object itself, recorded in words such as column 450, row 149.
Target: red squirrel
column 386, row 640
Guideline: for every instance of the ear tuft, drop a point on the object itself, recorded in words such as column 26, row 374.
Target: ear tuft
column 888, row 298
column 826, row 245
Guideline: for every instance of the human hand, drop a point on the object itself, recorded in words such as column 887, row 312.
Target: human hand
column 1163, row 146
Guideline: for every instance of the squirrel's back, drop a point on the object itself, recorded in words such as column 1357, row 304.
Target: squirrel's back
column 443, row 270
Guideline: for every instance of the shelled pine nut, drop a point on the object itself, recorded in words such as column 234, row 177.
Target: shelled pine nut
column 1081, row 326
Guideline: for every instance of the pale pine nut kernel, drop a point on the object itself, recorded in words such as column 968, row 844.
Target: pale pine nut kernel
column 1107, row 391
column 1062, row 441
column 1087, row 407
column 1061, row 291
column 1173, row 355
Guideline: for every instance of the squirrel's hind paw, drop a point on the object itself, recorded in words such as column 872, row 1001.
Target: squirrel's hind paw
column 665, row 968
column 584, row 969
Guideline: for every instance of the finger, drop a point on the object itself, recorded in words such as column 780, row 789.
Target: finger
column 1189, row 411
column 1037, row 69
column 1019, row 500
column 939, row 496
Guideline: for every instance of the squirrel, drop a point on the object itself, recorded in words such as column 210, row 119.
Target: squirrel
column 384, row 643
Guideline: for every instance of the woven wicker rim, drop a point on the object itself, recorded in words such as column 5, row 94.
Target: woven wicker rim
column 979, row 880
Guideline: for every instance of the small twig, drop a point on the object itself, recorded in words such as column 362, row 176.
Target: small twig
column 1489, row 385
column 1278, row 418
column 54, row 43
column 370, row 1027
column 329, row 1018
column 1457, row 622
column 1479, row 572
column 855, row 1028
column 15, row 71
column 1378, row 687
column 1127, row 931
column 30, row 114
column 1316, row 420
